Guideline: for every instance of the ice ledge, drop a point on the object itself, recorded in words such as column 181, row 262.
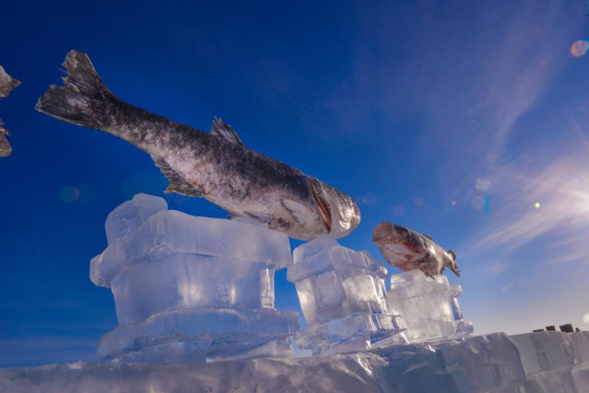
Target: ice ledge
column 217, row 331
column 481, row 364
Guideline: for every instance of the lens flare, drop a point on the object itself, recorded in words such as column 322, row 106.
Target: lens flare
column 398, row 211
column 537, row 205
column 579, row 48
column 69, row 194
column 478, row 202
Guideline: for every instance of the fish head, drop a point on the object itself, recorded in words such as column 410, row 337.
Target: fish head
column 398, row 244
column 339, row 212
column 451, row 264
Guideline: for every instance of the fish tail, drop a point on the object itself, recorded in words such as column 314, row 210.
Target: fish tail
column 84, row 99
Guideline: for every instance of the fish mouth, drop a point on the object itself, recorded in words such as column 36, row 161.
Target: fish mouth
column 387, row 233
column 321, row 203
column 382, row 231
column 400, row 244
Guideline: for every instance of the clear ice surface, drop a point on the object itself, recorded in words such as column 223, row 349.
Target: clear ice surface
column 547, row 363
column 130, row 215
column 182, row 281
column 214, row 332
column 190, row 289
column 555, row 362
column 429, row 306
column 153, row 233
column 343, row 297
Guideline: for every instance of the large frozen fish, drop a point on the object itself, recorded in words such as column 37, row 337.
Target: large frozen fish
column 7, row 84
column 409, row 250
column 214, row 165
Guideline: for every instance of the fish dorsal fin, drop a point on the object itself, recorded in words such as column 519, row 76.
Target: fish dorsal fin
column 429, row 237
column 225, row 131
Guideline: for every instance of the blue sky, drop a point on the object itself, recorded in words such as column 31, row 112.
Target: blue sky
column 463, row 120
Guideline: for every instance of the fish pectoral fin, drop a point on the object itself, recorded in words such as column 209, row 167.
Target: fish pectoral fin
column 225, row 131
column 299, row 212
column 177, row 183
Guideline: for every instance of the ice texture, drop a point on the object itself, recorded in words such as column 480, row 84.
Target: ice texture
column 484, row 364
column 343, row 297
column 191, row 289
column 172, row 232
column 205, row 333
column 429, row 306
column 182, row 281
column 488, row 363
column 130, row 215
column 555, row 362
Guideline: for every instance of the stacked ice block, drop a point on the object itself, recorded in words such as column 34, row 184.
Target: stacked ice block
column 191, row 289
column 554, row 362
column 429, row 306
column 343, row 297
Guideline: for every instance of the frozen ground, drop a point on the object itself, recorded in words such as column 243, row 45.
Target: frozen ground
column 546, row 362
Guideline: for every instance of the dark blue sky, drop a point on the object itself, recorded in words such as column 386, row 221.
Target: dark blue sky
column 463, row 120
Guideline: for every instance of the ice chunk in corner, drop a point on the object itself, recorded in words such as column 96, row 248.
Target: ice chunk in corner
column 554, row 361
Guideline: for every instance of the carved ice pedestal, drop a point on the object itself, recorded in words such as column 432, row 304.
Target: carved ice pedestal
column 429, row 306
column 191, row 289
column 343, row 296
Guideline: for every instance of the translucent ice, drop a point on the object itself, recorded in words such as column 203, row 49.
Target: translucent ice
column 429, row 307
column 337, row 281
column 131, row 215
column 190, row 289
column 343, row 297
column 172, row 232
column 203, row 333
column 486, row 364
column 550, row 362
column 180, row 281
column 555, row 362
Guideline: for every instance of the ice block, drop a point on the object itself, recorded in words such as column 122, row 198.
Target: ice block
column 429, row 306
column 343, row 298
column 191, row 289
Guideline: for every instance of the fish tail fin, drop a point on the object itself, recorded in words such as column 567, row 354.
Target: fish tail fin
column 84, row 99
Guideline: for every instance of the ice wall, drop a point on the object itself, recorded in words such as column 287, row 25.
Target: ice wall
column 429, row 306
column 343, row 298
column 191, row 289
column 485, row 364
column 555, row 362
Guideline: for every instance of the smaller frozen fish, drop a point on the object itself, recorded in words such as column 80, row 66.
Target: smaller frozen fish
column 409, row 250
column 7, row 84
